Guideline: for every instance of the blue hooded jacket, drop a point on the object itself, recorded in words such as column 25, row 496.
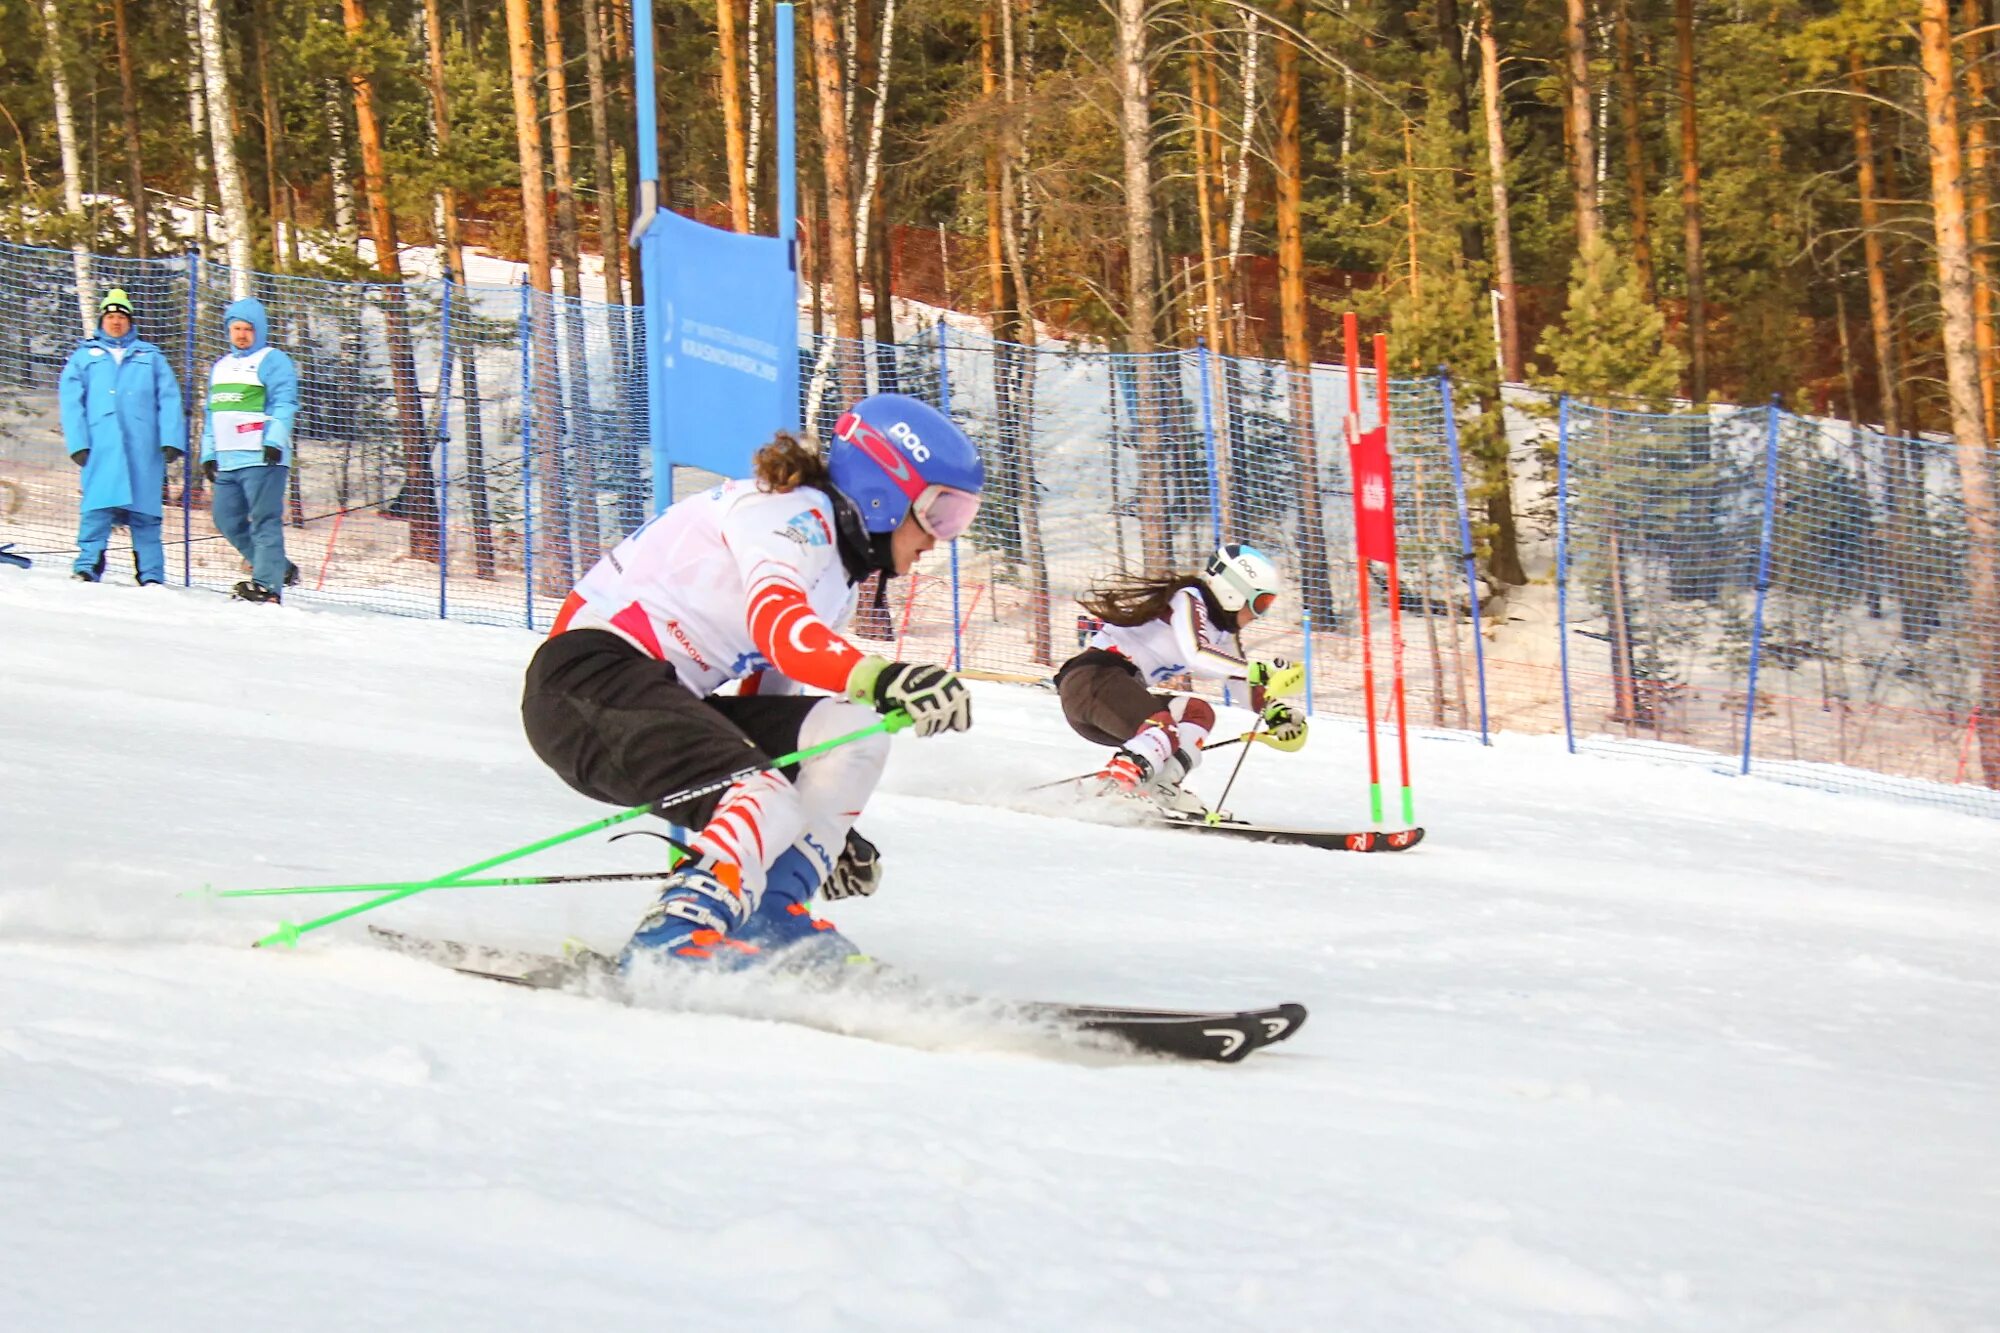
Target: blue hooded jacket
column 281, row 392
column 120, row 400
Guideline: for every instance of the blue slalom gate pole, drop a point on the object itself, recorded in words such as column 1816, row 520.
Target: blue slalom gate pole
column 196, row 413
column 1763, row 572
column 788, row 174
column 1465, row 542
column 444, row 453
column 1307, row 621
column 526, row 335
column 1562, row 564
column 944, row 406
column 1208, row 439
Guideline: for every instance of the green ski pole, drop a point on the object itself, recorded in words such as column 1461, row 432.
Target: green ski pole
column 288, row 933
column 390, row 886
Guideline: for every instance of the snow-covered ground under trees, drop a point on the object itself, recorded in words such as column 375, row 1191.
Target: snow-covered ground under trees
column 1619, row 1046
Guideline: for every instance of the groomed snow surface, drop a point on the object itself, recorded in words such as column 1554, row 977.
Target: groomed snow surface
column 1621, row 1045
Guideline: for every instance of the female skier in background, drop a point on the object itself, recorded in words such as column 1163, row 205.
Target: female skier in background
column 1153, row 630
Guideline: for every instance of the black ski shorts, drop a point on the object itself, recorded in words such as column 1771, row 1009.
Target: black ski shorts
column 619, row 726
column 1104, row 698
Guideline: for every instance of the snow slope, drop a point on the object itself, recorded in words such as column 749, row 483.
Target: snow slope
column 1620, row 1046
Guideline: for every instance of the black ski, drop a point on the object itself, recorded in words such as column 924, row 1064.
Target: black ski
column 1367, row 840
column 1222, row 1036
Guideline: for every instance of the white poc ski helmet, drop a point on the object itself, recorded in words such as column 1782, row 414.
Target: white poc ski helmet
column 1238, row 576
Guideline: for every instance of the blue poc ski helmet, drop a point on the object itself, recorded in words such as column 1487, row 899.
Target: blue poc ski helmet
column 893, row 454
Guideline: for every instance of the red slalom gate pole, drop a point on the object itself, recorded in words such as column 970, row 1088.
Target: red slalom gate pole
column 1350, row 336
column 1395, row 603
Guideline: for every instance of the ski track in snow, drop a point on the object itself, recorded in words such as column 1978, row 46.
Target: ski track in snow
column 1621, row 1046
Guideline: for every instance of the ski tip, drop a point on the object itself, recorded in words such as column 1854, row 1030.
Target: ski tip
column 1401, row 840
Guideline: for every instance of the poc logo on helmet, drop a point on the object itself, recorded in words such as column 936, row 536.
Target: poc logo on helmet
column 904, row 435
column 854, row 430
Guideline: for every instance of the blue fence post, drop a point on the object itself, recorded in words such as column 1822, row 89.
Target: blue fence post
column 1562, row 564
column 944, row 406
column 524, row 332
column 1306, row 620
column 1208, row 439
column 195, row 414
column 1465, row 541
column 1763, row 571
column 785, row 34
column 444, row 453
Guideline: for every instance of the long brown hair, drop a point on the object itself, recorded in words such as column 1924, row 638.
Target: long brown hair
column 785, row 464
column 1128, row 602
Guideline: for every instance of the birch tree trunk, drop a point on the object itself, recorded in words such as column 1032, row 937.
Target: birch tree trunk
column 1961, row 359
column 54, row 49
column 1582, row 129
column 1697, row 308
column 1635, row 152
column 1314, row 576
column 197, row 122
column 483, row 562
column 1503, row 225
column 222, row 140
column 128, row 99
column 732, row 115
column 1240, row 190
column 871, row 170
column 1135, row 134
column 337, row 168
column 419, row 496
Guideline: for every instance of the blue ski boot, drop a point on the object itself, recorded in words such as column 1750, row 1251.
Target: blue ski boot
column 700, row 905
column 783, row 929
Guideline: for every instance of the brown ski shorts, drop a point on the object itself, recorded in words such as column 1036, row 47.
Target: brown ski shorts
column 1104, row 698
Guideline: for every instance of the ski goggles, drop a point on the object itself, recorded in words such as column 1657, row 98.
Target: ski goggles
column 1261, row 604
column 945, row 512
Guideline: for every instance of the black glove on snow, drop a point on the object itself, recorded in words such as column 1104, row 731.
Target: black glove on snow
column 857, row 874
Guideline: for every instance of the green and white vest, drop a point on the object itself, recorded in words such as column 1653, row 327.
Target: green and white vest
column 236, row 403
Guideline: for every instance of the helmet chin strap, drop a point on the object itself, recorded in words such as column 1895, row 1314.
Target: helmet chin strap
column 861, row 552
column 1217, row 612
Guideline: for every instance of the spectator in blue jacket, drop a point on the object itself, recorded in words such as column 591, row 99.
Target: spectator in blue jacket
column 246, row 447
column 122, row 423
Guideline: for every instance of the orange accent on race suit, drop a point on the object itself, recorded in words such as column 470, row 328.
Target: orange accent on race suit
column 796, row 642
column 571, row 605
